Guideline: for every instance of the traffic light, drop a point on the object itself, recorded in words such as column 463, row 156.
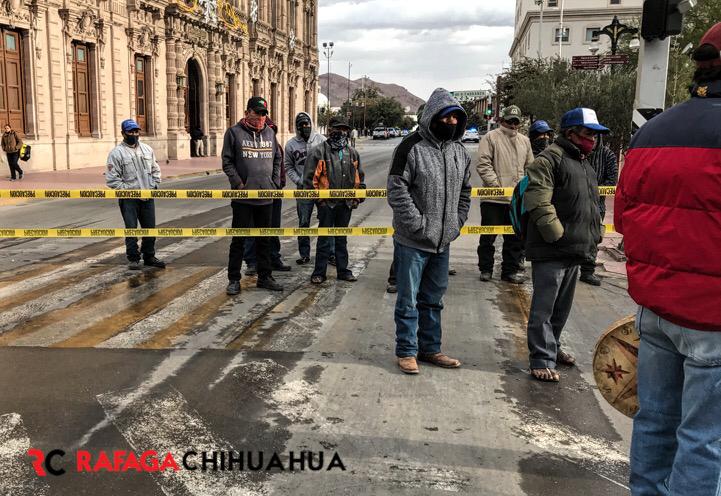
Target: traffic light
column 663, row 18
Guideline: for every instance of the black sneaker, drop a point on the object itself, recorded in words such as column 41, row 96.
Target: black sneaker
column 303, row 261
column 268, row 283
column 591, row 279
column 134, row 265
column 233, row 288
column 251, row 271
column 154, row 262
column 331, row 260
column 514, row 278
column 20, row 176
column 486, row 276
column 391, row 288
column 281, row 267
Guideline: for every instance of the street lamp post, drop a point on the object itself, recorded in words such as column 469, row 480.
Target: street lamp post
column 328, row 53
column 540, row 28
column 614, row 31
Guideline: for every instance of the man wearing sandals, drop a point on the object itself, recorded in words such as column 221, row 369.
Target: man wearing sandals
column 429, row 190
column 563, row 230
column 334, row 164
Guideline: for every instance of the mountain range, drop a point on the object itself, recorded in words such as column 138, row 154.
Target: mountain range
column 339, row 90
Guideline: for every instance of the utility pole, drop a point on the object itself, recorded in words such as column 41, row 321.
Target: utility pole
column 350, row 106
column 365, row 80
column 560, row 33
column 540, row 32
column 328, row 53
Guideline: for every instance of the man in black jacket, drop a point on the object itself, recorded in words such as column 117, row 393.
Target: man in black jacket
column 252, row 160
column 563, row 230
column 604, row 162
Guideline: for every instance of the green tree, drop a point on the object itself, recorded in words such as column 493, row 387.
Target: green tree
column 545, row 89
column 384, row 110
column 681, row 67
column 474, row 120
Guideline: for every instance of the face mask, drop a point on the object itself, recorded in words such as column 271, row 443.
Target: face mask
column 511, row 133
column 540, row 143
column 256, row 121
column 338, row 140
column 584, row 144
column 443, row 131
column 305, row 132
column 130, row 140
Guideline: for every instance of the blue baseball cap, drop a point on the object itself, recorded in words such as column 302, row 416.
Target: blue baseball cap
column 584, row 117
column 448, row 110
column 540, row 127
column 129, row 125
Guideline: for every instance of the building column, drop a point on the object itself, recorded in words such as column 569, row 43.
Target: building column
column 180, row 69
column 171, row 86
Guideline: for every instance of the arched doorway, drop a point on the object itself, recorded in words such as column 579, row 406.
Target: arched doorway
column 193, row 104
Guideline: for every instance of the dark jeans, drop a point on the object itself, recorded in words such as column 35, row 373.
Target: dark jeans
column 498, row 214
column 13, row 164
column 134, row 212
column 305, row 212
column 554, row 284
column 332, row 216
column 250, row 246
column 250, row 215
column 422, row 280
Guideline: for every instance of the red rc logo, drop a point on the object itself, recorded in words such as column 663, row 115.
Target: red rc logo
column 117, row 461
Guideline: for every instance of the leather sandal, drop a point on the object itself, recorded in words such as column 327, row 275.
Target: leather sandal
column 440, row 360
column 546, row 375
column 565, row 359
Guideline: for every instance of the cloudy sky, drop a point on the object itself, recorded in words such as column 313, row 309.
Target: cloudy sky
column 419, row 44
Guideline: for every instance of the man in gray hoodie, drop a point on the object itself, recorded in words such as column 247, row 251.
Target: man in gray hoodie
column 296, row 151
column 252, row 161
column 429, row 190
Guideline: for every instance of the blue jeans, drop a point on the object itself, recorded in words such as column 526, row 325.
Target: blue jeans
column 676, row 445
column 422, row 280
column 305, row 212
column 136, row 212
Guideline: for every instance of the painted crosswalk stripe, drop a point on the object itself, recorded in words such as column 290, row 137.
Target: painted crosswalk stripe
column 17, row 477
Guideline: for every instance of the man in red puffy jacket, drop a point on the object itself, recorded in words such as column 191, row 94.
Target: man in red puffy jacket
column 668, row 206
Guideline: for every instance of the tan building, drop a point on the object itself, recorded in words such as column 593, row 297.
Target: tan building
column 567, row 28
column 72, row 70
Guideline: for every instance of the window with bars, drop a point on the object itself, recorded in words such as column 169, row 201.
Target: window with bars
column 562, row 37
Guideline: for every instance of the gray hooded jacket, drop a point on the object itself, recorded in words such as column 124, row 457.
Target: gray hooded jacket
column 429, row 185
column 297, row 150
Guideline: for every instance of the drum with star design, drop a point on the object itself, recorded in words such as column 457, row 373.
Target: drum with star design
column 614, row 365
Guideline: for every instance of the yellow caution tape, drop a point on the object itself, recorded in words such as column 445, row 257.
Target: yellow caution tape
column 197, row 232
column 231, row 194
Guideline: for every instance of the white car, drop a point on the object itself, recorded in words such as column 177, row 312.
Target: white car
column 471, row 135
column 380, row 133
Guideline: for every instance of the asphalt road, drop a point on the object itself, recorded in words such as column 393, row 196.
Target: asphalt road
column 93, row 357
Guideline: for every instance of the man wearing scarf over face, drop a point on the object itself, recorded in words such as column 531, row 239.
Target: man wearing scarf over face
column 334, row 165
column 252, row 160
column 429, row 190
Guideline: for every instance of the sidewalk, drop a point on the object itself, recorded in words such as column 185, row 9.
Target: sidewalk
column 94, row 177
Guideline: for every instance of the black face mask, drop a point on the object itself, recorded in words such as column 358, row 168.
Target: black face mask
column 443, row 131
column 305, row 132
column 130, row 140
column 540, row 144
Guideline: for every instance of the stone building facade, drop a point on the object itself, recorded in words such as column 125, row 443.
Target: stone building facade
column 72, row 70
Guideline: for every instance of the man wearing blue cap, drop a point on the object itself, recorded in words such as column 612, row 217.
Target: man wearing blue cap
column 429, row 190
column 541, row 135
column 563, row 230
column 132, row 165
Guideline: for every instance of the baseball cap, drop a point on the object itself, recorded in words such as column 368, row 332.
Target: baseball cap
column 258, row 105
column 338, row 122
column 584, row 117
column 713, row 38
column 129, row 125
column 511, row 112
column 448, row 110
column 540, row 127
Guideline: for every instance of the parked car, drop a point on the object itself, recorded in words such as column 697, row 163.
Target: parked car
column 380, row 133
column 471, row 135
column 405, row 132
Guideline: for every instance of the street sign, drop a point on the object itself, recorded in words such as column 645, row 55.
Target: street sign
column 620, row 59
column 586, row 62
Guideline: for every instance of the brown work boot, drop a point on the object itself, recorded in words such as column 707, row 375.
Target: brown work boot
column 440, row 360
column 408, row 365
